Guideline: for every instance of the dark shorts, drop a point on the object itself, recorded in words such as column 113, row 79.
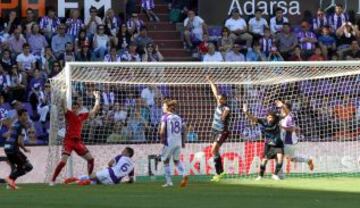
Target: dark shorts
column 17, row 158
column 220, row 136
column 270, row 151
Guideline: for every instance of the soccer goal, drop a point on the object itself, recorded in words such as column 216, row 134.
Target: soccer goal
column 324, row 98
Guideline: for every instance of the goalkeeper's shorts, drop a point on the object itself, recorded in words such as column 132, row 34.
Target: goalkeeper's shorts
column 76, row 145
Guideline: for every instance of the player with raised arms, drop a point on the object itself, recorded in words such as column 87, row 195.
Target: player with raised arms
column 118, row 168
column 271, row 134
column 289, row 135
column 74, row 119
column 172, row 135
column 220, row 126
column 12, row 146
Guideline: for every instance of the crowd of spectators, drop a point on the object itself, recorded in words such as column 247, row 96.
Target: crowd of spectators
column 34, row 49
column 325, row 36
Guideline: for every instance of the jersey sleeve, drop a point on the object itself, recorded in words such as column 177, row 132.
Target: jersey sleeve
column 164, row 119
column 117, row 158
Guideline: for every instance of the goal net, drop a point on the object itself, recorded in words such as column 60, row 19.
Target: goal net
column 325, row 106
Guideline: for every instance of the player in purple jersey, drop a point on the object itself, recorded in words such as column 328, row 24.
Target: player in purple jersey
column 289, row 134
column 172, row 135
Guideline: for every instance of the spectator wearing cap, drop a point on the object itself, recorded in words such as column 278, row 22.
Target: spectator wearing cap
column 354, row 52
column 26, row 61
column 152, row 53
column 112, row 56
column 142, row 40
column 257, row 25
column 195, row 27
column 319, row 21
column 238, row 28
column 134, row 24
column 74, row 24
column 36, row 41
column 101, row 43
column 277, row 22
column 337, row 19
column 16, row 42
column 131, row 54
column 49, row 24
column 327, row 42
column 92, row 22
column 307, row 39
column 213, row 55
column 59, row 41
column 286, row 41
column 235, row 55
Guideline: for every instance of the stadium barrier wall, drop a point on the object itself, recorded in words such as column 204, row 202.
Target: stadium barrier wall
column 239, row 158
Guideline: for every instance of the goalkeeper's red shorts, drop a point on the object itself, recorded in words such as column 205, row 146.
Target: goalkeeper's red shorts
column 74, row 144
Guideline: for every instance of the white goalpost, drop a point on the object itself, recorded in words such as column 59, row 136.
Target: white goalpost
column 324, row 97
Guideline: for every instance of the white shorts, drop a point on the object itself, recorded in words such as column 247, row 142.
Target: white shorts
column 168, row 152
column 103, row 176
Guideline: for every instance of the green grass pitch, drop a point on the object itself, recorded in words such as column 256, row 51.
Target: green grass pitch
column 229, row 193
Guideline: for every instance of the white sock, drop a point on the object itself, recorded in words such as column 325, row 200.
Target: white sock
column 167, row 173
column 181, row 169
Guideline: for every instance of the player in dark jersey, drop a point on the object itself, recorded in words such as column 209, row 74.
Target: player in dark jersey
column 12, row 147
column 73, row 142
column 274, row 146
column 220, row 129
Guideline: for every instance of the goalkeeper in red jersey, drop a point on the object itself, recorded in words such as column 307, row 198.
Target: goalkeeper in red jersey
column 74, row 119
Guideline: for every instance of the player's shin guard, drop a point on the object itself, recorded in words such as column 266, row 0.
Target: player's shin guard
column 278, row 168
column 90, row 166
column 57, row 171
column 167, row 173
column 218, row 164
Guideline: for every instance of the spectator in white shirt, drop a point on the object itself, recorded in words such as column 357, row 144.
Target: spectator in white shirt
column 100, row 43
column 238, row 28
column 234, row 54
column 194, row 29
column 277, row 22
column 257, row 25
column 26, row 61
column 212, row 55
column 92, row 22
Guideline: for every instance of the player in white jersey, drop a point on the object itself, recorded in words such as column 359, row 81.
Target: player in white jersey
column 172, row 135
column 118, row 168
column 289, row 134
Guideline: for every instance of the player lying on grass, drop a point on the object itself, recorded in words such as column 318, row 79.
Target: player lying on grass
column 172, row 135
column 73, row 142
column 274, row 146
column 289, row 134
column 12, row 146
column 219, row 128
column 120, row 167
